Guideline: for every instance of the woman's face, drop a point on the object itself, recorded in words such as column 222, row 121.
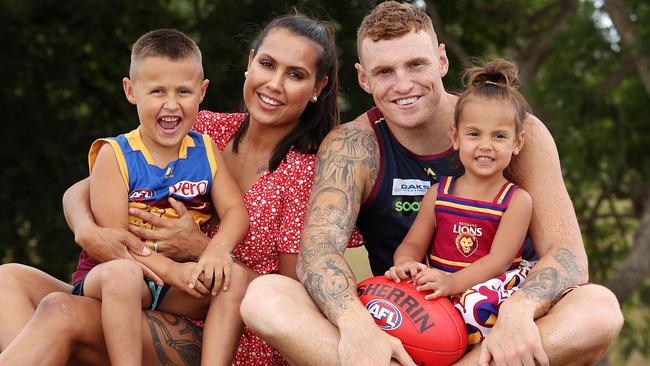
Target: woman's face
column 281, row 79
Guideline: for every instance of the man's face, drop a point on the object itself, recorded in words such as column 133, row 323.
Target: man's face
column 404, row 76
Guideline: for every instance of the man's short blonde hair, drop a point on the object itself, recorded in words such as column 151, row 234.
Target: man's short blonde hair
column 391, row 19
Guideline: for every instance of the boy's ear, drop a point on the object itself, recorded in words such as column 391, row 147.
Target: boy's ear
column 127, row 84
column 454, row 137
column 519, row 143
column 361, row 76
column 204, row 88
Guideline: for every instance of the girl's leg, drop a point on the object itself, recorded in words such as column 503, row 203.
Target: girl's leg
column 21, row 289
column 120, row 287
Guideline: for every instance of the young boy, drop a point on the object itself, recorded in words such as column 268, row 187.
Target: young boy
column 145, row 169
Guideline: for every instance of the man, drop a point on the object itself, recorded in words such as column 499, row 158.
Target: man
column 383, row 162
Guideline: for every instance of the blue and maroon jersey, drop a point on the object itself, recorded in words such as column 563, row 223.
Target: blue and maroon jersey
column 465, row 228
column 187, row 179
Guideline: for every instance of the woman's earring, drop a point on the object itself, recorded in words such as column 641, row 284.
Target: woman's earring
column 245, row 74
column 314, row 99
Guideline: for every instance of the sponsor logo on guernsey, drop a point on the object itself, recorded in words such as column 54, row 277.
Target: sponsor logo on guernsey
column 142, row 194
column 387, row 316
column 189, row 189
column 410, row 187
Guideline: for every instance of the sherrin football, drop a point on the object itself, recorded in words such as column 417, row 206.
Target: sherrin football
column 432, row 331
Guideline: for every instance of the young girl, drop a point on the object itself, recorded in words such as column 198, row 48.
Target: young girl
column 474, row 226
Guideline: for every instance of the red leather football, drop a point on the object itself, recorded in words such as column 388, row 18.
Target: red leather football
column 432, row 331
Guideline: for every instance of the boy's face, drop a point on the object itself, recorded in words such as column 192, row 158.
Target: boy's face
column 167, row 94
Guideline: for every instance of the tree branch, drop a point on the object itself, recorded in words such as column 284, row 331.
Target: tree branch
column 455, row 47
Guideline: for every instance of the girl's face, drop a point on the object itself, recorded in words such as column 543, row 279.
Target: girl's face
column 486, row 136
column 281, row 79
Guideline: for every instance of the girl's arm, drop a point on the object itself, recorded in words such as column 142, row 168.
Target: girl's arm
column 229, row 204
column 414, row 247
column 506, row 244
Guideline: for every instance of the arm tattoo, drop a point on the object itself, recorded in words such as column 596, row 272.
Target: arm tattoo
column 166, row 331
column 547, row 284
column 336, row 197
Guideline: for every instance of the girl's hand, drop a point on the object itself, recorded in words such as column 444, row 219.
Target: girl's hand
column 404, row 270
column 178, row 275
column 215, row 263
column 431, row 279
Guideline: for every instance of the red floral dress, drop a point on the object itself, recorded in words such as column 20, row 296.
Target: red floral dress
column 277, row 204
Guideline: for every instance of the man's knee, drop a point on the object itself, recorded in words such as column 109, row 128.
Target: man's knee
column 266, row 303
column 11, row 274
column 57, row 311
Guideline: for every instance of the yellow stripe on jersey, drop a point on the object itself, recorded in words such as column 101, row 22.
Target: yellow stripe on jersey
column 504, row 193
column 460, row 264
column 209, row 151
column 445, row 188
column 119, row 155
column 187, row 142
column 469, row 208
column 135, row 141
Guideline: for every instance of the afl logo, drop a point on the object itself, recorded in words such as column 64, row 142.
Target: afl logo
column 140, row 195
column 387, row 316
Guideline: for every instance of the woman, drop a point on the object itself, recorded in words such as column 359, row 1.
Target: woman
column 290, row 94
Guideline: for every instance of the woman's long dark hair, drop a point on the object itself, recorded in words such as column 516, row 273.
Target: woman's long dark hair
column 320, row 117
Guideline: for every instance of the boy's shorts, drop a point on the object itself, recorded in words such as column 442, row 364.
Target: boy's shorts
column 157, row 292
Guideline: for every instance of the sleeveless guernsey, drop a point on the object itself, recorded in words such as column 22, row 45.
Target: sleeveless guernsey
column 465, row 228
column 403, row 179
column 187, row 179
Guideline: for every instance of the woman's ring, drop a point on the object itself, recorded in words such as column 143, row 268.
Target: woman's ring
column 155, row 246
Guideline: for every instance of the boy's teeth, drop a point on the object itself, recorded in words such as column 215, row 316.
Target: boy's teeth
column 269, row 100
column 169, row 123
column 406, row 101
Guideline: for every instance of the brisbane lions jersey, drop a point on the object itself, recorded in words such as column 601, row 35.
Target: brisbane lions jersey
column 187, row 179
column 465, row 228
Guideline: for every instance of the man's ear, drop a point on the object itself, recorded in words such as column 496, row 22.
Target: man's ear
column 443, row 60
column 361, row 76
column 127, row 85
column 519, row 143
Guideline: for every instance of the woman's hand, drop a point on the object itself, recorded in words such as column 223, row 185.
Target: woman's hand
column 404, row 270
column 215, row 263
column 105, row 244
column 178, row 239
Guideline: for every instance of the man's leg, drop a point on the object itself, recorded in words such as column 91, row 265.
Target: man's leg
column 578, row 329
column 67, row 329
column 279, row 310
column 21, row 289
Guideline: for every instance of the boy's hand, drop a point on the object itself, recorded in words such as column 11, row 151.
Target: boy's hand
column 404, row 270
column 178, row 275
column 215, row 265
column 431, row 279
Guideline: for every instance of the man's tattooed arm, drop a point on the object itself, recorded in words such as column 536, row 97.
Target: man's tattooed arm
column 347, row 162
column 546, row 284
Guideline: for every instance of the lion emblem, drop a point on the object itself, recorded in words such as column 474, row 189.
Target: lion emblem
column 466, row 243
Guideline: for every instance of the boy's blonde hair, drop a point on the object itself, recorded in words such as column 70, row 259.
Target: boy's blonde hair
column 168, row 43
column 391, row 19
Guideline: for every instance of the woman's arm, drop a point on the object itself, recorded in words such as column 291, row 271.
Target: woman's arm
column 103, row 244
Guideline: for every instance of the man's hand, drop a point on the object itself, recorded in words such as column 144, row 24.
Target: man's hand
column 365, row 344
column 514, row 340
column 176, row 239
column 106, row 244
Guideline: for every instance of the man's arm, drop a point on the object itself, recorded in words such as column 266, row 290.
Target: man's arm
column 554, row 227
column 347, row 158
column 346, row 167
